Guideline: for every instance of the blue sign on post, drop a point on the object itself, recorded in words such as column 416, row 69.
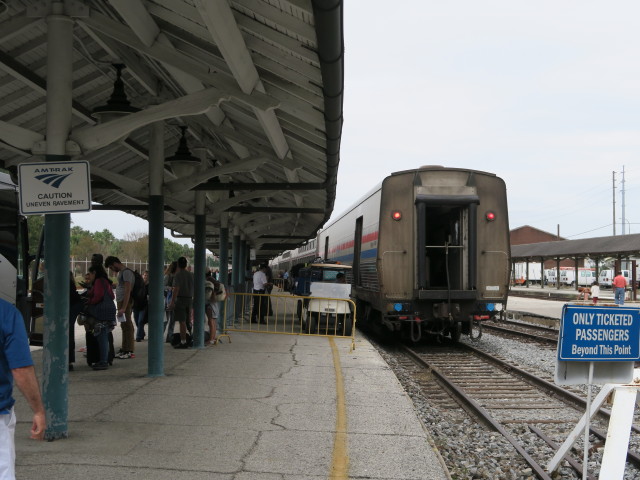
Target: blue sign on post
column 592, row 334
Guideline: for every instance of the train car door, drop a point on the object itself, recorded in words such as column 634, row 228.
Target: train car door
column 447, row 240
column 357, row 251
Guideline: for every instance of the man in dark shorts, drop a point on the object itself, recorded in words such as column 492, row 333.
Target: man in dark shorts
column 182, row 299
column 124, row 301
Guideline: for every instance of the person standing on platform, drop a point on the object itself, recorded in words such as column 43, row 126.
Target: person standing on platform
column 182, row 299
column 214, row 294
column 595, row 292
column 124, row 301
column 620, row 285
column 101, row 297
column 169, row 272
column 17, row 366
column 97, row 260
column 140, row 311
column 260, row 304
column 75, row 307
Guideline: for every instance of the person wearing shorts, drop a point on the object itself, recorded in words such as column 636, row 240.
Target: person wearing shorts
column 181, row 299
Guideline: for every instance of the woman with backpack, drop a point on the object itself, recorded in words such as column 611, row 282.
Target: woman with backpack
column 100, row 299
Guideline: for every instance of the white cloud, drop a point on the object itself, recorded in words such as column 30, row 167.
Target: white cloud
column 545, row 94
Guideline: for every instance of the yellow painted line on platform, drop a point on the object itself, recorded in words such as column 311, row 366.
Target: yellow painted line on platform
column 340, row 460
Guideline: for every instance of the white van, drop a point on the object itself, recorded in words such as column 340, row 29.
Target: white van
column 550, row 276
column 586, row 277
column 605, row 278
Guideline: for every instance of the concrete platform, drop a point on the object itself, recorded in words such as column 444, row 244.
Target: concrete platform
column 264, row 407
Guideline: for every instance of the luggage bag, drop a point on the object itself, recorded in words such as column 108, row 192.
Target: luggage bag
column 93, row 350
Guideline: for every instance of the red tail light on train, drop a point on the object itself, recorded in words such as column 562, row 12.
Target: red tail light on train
column 490, row 216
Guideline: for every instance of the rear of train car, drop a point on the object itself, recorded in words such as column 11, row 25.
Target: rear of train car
column 429, row 249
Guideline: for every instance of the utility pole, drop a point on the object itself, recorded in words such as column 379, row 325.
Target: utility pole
column 622, row 191
column 614, row 203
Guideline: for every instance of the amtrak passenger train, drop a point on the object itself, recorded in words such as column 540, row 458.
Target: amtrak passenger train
column 429, row 249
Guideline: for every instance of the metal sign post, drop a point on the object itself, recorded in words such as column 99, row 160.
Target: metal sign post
column 600, row 345
column 587, row 426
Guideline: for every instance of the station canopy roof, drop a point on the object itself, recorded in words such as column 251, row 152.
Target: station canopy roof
column 597, row 247
column 257, row 83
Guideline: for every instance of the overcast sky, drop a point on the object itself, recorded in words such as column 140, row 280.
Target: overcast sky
column 544, row 94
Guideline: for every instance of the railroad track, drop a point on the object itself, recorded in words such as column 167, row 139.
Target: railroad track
column 501, row 396
column 543, row 335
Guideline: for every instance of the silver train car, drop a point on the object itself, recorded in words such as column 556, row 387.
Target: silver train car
column 429, row 249
column 304, row 254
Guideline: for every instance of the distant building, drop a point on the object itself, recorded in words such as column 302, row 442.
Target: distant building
column 527, row 234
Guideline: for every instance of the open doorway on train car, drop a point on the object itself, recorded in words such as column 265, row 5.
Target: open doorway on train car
column 443, row 239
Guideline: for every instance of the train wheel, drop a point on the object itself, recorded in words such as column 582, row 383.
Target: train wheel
column 476, row 331
column 456, row 332
column 348, row 326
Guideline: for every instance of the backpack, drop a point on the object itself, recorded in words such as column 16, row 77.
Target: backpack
column 210, row 294
column 138, row 291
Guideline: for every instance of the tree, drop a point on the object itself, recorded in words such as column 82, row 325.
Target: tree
column 35, row 224
column 105, row 237
column 108, row 244
column 85, row 247
column 77, row 235
column 174, row 250
column 135, row 246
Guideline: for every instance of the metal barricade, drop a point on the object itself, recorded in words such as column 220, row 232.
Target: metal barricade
column 290, row 315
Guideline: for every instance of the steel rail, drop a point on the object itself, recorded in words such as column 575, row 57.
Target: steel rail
column 542, row 383
column 632, row 457
column 532, row 336
column 575, row 465
column 482, row 413
column 531, row 326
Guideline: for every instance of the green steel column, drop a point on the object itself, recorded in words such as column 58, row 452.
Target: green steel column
column 198, row 284
column 56, row 227
column 235, row 260
column 235, row 268
column 242, row 271
column 56, row 322
column 155, row 328
column 224, row 271
column 200, row 256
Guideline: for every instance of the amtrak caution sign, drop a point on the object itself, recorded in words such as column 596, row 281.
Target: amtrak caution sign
column 54, row 187
column 599, row 334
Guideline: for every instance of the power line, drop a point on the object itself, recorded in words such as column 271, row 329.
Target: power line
column 589, row 231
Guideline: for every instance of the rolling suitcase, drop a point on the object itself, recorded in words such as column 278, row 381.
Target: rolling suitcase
column 175, row 340
column 93, row 351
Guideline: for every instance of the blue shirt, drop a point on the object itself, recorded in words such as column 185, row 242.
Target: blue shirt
column 14, row 351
